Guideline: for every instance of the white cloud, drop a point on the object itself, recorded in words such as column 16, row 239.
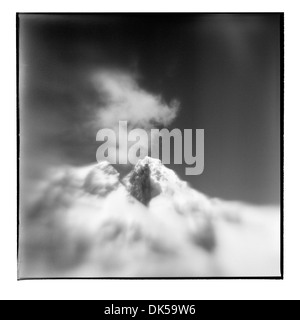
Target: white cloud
column 84, row 223
column 122, row 99
column 125, row 100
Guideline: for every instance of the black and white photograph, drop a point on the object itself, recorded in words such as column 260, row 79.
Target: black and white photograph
column 150, row 145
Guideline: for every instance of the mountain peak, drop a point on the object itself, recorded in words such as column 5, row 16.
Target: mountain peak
column 102, row 179
column 149, row 178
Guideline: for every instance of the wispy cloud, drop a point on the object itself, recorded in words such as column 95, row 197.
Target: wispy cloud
column 124, row 99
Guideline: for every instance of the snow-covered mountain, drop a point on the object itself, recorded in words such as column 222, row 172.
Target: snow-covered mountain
column 87, row 222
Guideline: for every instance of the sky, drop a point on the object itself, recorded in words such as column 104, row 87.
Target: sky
column 217, row 72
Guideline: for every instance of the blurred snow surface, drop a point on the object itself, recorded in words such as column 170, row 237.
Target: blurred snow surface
column 86, row 222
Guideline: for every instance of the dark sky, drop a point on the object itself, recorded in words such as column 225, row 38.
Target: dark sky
column 223, row 68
